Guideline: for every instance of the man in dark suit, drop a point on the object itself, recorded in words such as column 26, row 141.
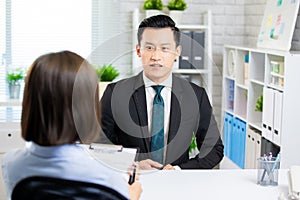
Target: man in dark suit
column 127, row 106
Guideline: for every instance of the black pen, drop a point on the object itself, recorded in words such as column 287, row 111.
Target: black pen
column 132, row 177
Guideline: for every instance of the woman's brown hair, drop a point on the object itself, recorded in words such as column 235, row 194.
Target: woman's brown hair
column 61, row 100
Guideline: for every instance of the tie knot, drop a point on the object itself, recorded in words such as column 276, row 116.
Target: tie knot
column 157, row 88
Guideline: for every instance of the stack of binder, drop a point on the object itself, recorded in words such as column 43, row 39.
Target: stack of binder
column 235, row 139
column 272, row 112
column 192, row 55
column 253, row 148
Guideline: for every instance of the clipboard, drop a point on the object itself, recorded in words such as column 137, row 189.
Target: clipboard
column 106, row 148
column 113, row 156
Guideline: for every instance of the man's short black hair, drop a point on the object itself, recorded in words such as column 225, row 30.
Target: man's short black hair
column 158, row 21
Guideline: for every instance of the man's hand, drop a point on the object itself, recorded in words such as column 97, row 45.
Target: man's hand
column 149, row 164
column 169, row 167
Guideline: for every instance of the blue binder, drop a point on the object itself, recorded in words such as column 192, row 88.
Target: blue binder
column 226, row 133
column 242, row 150
column 238, row 142
column 233, row 141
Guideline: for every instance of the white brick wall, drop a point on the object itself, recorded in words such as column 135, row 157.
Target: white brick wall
column 235, row 22
column 254, row 12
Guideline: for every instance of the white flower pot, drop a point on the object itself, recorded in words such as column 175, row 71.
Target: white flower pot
column 176, row 15
column 150, row 13
column 14, row 91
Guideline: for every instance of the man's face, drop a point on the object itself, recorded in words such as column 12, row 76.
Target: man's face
column 158, row 51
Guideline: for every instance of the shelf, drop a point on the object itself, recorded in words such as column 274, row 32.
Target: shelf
column 230, row 78
column 230, row 111
column 280, row 107
column 276, row 87
column 192, row 27
column 261, row 77
column 256, row 125
column 190, row 71
column 277, row 75
column 242, row 117
column 242, row 86
column 257, row 82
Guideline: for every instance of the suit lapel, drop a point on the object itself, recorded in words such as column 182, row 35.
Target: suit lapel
column 139, row 99
column 175, row 114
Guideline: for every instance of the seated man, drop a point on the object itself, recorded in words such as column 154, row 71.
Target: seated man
column 159, row 112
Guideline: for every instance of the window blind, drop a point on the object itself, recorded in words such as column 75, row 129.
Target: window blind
column 31, row 28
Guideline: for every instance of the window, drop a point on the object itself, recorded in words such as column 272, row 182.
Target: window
column 31, row 28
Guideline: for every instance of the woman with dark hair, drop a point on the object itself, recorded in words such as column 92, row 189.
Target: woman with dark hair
column 61, row 109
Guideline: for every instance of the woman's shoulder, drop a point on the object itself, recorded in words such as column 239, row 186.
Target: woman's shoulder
column 14, row 154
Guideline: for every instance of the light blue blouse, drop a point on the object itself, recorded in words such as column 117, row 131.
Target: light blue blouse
column 69, row 161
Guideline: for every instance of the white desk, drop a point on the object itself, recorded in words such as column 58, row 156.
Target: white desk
column 210, row 184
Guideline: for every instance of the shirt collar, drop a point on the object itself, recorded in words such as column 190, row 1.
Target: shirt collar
column 148, row 83
column 51, row 151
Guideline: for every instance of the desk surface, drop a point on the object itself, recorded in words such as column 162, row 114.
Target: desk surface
column 210, row 184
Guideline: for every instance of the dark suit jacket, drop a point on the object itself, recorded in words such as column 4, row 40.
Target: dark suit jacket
column 124, row 121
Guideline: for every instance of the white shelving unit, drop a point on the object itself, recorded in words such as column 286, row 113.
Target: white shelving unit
column 276, row 127
column 202, row 77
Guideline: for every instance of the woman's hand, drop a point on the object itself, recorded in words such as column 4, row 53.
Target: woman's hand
column 135, row 190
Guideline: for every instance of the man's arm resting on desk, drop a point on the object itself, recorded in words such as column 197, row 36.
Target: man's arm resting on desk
column 210, row 147
column 208, row 138
column 208, row 161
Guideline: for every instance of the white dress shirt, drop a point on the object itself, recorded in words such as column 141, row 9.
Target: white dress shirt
column 166, row 95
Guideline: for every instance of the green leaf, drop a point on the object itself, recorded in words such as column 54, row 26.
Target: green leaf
column 177, row 5
column 193, row 144
column 106, row 72
column 153, row 4
column 14, row 77
column 259, row 103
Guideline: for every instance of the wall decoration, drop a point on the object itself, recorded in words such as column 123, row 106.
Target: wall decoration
column 278, row 24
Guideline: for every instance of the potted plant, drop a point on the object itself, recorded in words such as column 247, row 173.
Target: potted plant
column 106, row 74
column 259, row 104
column 176, row 8
column 14, row 79
column 153, row 7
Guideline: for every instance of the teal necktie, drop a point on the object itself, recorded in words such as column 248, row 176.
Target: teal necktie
column 157, row 133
